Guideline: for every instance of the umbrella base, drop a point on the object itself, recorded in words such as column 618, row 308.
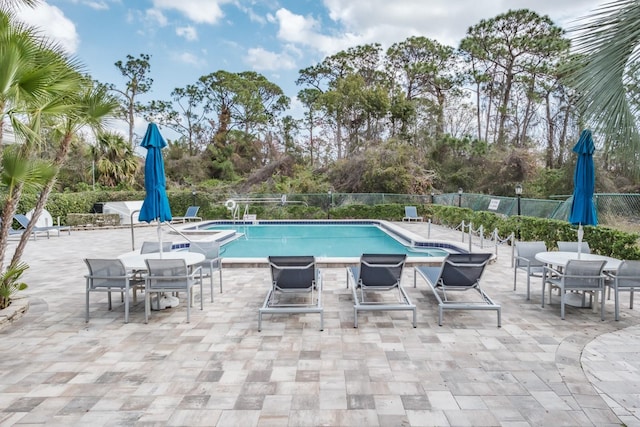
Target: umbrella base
column 576, row 299
column 166, row 301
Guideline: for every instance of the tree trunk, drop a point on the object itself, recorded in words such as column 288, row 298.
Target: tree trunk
column 61, row 156
column 504, row 107
column 550, row 133
column 479, row 118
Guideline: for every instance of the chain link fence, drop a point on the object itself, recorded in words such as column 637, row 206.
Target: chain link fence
column 613, row 209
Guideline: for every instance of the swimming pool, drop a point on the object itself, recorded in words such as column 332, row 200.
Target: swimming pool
column 322, row 239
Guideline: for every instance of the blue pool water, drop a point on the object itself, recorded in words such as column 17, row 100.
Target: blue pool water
column 319, row 240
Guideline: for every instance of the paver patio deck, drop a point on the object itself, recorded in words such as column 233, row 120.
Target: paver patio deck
column 218, row 370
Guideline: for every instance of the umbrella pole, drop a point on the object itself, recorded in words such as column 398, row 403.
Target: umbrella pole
column 160, row 236
column 580, row 236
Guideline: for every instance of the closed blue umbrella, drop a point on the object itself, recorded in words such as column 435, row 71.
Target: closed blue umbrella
column 156, row 203
column 583, row 211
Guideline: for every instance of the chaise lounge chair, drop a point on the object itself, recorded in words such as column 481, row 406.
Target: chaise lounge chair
column 24, row 223
column 459, row 272
column 290, row 277
column 377, row 273
column 190, row 215
column 411, row 214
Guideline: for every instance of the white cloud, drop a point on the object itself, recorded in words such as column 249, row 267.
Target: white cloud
column 357, row 22
column 200, row 11
column 261, row 60
column 189, row 58
column 189, row 33
column 53, row 24
column 97, row 5
column 156, row 16
column 305, row 31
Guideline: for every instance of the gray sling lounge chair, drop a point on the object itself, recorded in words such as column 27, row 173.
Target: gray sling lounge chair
column 411, row 214
column 459, row 272
column 290, row 277
column 376, row 273
column 190, row 215
column 56, row 229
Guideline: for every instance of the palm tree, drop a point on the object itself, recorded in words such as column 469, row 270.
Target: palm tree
column 606, row 41
column 13, row 4
column 90, row 107
column 35, row 76
column 116, row 161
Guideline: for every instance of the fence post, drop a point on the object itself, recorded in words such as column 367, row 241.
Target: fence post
column 462, row 230
column 481, row 231
column 470, row 228
column 429, row 228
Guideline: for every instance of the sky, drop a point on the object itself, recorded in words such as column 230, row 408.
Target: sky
column 276, row 38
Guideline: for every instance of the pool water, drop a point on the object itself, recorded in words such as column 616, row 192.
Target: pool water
column 318, row 240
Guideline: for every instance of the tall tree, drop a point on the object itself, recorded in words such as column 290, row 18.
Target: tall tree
column 426, row 70
column 246, row 106
column 188, row 119
column 515, row 46
column 136, row 72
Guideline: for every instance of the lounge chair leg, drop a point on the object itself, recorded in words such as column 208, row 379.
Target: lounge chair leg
column 355, row 317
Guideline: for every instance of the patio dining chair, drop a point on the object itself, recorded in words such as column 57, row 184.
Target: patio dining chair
column 625, row 279
column 524, row 259
column 170, row 275
column 212, row 262
column 292, row 277
column 376, row 274
column 154, row 246
column 110, row 275
column 577, row 275
column 573, row 247
column 459, row 273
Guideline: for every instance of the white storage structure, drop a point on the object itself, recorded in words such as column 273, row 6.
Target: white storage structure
column 128, row 211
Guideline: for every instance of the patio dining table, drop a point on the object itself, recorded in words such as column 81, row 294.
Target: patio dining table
column 135, row 261
column 561, row 259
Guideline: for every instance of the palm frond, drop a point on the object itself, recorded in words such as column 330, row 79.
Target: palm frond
column 606, row 42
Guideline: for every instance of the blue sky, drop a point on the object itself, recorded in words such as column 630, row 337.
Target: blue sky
column 191, row 38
